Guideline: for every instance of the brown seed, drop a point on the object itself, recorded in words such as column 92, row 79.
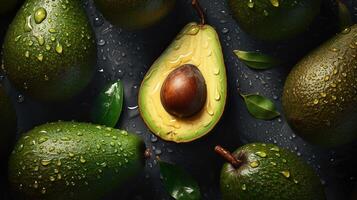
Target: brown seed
column 184, row 91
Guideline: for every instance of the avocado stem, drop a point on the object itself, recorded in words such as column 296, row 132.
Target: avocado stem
column 228, row 156
column 199, row 10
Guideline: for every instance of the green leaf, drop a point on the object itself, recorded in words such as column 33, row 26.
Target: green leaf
column 108, row 105
column 178, row 183
column 344, row 15
column 260, row 107
column 257, row 60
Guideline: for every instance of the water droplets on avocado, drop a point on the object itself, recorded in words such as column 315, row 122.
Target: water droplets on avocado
column 35, row 184
column 261, row 154
column 40, row 57
column 28, row 24
column 286, row 173
column 40, row 40
column 244, row 187
column 45, row 162
column 254, row 164
column 250, row 4
column 275, row 3
column 82, row 160
column 193, row 30
column 40, row 15
column 59, row 48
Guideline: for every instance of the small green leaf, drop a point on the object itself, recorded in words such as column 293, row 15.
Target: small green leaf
column 257, row 60
column 344, row 15
column 108, row 105
column 260, row 107
column 178, row 183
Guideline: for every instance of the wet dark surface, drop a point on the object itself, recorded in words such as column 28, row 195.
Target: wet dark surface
column 128, row 55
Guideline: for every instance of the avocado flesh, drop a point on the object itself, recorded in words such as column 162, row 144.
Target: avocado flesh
column 69, row 160
column 134, row 14
column 198, row 45
column 7, row 122
column 269, row 172
column 6, row 6
column 274, row 20
column 320, row 94
column 50, row 56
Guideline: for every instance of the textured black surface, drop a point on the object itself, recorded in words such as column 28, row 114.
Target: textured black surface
column 128, row 55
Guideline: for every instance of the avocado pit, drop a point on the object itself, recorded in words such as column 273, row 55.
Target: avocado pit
column 184, row 91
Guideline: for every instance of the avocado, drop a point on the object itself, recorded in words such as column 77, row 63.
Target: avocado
column 266, row 171
column 134, row 14
column 7, row 6
column 7, row 122
column 320, row 93
column 183, row 95
column 49, row 49
column 274, row 20
column 69, row 160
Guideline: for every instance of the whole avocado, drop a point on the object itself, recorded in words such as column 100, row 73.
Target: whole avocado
column 269, row 172
column 274, row 20
column 6, row 6
column 69, row 160
column 134, row 14
column 49, row 49
column 7, row 122
column 320, row 93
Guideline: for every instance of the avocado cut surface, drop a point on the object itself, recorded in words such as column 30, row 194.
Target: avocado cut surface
column 269, row 172
column 197, row 45
column 49, row 49
column 69, row 160
column 320, row 93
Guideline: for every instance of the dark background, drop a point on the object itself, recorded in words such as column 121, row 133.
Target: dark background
column 128, row 55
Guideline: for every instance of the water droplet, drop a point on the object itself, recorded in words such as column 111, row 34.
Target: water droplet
column 45, row 162
column 40, row 57
column 250, row 4
column 35, row 185
column 275, row 3
column 316, row 101
column 40, row 15
column 28, row 25
column 261, row 154
column 40, row 40
column 275, row 149
column 244, row 187
column 285, row 173
column 59, row 48
column 82, row 160
column 254, row 164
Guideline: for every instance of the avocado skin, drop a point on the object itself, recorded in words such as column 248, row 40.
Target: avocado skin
column 134, row 14
column 59, row 76
column 320, row 93
column 8, row 123
column 6, row 6
column 269, row 23
column 266, row 181
column 72, row 160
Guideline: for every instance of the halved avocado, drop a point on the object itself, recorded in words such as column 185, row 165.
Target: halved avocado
column 199, row 46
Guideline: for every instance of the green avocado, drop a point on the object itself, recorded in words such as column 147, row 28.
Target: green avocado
column 274, row 20
column 49, row 49
column 7, row 122
column 269, row 172
column 69, row 160
column 194, row 105
column 6, row 6
column 134, row 14
column 320, row 93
